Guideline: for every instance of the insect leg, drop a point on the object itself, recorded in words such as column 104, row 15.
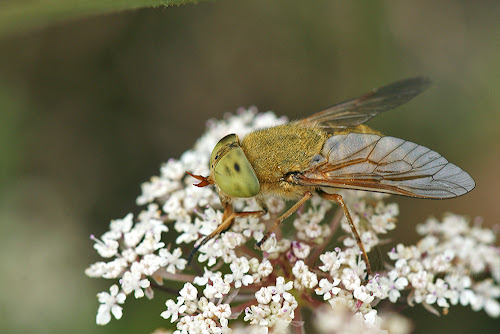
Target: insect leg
column 338, row 198
column 284, row 216
column 227, row 220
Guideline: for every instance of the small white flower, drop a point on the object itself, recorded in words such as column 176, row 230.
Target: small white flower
column 155, row 188
column 191, row 307
column 106, row 247
column 173, row 170
column 232, row 240
column 403, row 252
column 222, row 311
column 109, row 305
column 122, row 225
column 482, row 235
column 203, row 304
column 188, row 292
column 211, row 251
column 209, row 310
column 437, row 292
column 392, row 284
column 459, row 289
column 386, row 221
column 305, row 278
column 208, row 221
column 208, row 275
column 343, row 298
column 176, row 212
column 115, row 268
column 371, row 317
column 150, row 243
column 174, row 309
column 309, row 280
column 150, row 263
column 172, row 260
column 152, row 212
column 299, row 269
column 264, row 295
column 217, row 289
column 281, row 288
column 132, row 281
column 331, row 261
column 420, row 279
column 453, row 225
column 197, row 197
column 257, row 315
column 486, row 297
column 350, row 279
column 130, row 255
column 440, row 262
column 328, row 289
column 300, row 250
column 362, row 293
column 431, row 226
column 96, row 270
column 265, row 268
column 239, row 269
column 133, row 237
column 401, row 268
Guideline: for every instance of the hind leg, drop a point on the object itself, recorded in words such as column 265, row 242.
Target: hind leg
column 338, row 198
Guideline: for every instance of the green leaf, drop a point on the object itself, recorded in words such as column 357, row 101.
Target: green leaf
column 17, row 16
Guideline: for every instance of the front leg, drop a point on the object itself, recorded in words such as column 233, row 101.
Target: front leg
column 227, row 221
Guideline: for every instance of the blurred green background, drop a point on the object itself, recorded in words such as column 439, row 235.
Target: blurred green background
column 90, row 108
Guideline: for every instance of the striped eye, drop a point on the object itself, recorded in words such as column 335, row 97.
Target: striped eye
column 232, row 171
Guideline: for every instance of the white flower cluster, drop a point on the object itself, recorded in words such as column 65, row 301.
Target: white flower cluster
column 275, row 305
column 443, row 268
column 296, row 268
column 200, row 315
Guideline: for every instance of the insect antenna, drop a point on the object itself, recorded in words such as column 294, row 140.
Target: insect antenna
column 204, row 181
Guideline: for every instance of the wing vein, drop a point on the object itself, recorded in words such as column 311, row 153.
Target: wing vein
column 390, row 165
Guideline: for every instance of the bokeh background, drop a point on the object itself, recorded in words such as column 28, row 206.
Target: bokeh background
column 90, row 108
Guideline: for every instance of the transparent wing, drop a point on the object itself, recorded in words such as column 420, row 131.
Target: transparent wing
column 384, row 164
column 359, row 110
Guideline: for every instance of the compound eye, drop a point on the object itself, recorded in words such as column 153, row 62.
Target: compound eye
column 235, row 176
column 229, row 139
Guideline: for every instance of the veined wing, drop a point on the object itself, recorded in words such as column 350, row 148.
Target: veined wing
column 357, row 111
column 384, row 164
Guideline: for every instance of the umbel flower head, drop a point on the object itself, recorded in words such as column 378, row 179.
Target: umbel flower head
column 312, row 262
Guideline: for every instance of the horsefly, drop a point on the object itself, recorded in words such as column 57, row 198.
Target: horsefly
column 327, row 151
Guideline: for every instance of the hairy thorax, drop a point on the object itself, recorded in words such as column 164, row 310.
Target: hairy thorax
column 280, row 150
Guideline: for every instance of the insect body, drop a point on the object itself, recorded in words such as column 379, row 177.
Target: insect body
column 329, row 150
